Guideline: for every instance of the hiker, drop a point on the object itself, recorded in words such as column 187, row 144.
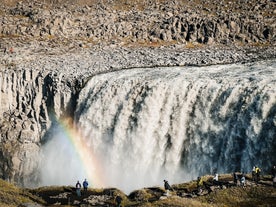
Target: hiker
column 118, row 200
column 243, row 181
column 236, row 178
column 273, row 174
column 254, row 173
column 85, row 185
column 78, row 188
column 199, row 184
column 215, row 179
column 257, row 173
column 167, row 185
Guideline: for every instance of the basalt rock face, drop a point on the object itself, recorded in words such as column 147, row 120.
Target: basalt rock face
column 224, row 22
column 57, row 47
column 27, row 99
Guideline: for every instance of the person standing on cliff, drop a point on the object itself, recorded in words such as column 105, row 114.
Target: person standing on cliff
column 273, row 171
column 118, row 200
column 243, row 181
column 167, row 187
column 78, row 188
column 257, row 172
column 85, row 185
column 254, row 173
column 236, row 178
column 215, row 179
column 199, row 184
column 273, row 174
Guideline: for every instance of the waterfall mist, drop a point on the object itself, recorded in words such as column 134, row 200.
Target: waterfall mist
column 147, row 125
column 60, row 161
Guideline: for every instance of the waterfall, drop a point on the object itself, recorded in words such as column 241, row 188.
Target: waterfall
column 176, row 123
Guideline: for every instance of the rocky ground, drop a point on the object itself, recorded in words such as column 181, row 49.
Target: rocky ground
column 212, row 194
column 152, row 196
column 49, row 48
column 107, row 34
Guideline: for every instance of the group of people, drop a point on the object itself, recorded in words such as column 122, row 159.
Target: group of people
column 256, row 172
column 118, row 198
column 255, row 177
column 240, row 179
column 78, row 187
column 236, row 179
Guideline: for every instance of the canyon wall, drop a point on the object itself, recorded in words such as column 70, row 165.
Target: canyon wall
column 29, row 101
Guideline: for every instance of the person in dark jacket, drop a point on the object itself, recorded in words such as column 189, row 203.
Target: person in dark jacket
column 235, row 178
column 85, row 185
column 273, row 171
column 167, row 185
column 273, row 174
column 118, row 200
column 258, row 173
column 78, row 188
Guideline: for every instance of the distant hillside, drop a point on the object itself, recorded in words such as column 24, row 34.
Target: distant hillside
column 140, row 23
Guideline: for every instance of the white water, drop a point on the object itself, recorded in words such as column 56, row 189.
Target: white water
column 60, row 162
column 147, row 125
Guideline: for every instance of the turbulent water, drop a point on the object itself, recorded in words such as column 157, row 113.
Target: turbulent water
column 177, row 123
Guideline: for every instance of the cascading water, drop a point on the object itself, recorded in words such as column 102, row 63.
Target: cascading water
column 147, row 125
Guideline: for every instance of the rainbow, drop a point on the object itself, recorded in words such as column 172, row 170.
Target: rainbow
column 89, row 161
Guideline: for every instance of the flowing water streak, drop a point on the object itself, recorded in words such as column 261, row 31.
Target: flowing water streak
column 176, row 123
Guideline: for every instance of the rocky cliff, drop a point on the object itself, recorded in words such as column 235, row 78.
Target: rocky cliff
column 49, row 49
column 144, row 22
column 28, row 99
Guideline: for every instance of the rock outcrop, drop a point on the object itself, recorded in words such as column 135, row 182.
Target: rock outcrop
column 224, row 22
column 27, row 99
